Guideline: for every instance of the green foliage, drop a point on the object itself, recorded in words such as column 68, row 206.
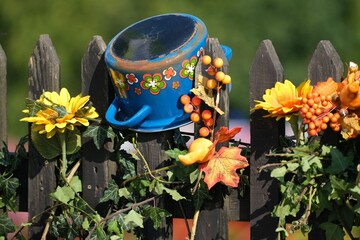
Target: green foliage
column 9, row 163
column 99, row 134
column 319, row 180
column 50, row 148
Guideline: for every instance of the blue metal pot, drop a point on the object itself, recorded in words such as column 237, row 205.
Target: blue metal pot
column 152, row 64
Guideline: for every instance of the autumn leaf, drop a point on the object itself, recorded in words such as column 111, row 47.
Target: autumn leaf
column 350, row 127
column 224, row 134
column 207, row 96
column 222, row 167
column 327, row 88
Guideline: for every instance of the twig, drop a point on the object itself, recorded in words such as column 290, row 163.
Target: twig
column 195, row 220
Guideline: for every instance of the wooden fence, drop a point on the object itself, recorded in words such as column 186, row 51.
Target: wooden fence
column 97, row 168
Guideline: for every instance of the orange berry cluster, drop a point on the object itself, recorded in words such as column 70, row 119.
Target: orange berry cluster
column 317, row 113
column 191, row 106
column 217, row 77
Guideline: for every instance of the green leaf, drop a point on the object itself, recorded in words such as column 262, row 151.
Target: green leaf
column 174, row 153
column 113, row 226
column 340, row 188
column 332, row 231
column 157, row 215
column 124, row 192
column 8, row 187
column 111, row 193
column 99, row 134
column 174, row 194
column 134, row 218
column 292, row 166
column 127, row 164
column 86, row 224
column 339, row 162
column 63, row 194
column 278, row 172
column 159, row 188
column 6, row 225
column 50, row 148
column 75, row 184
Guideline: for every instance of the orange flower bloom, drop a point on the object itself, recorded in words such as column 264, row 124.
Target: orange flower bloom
column 284, row 100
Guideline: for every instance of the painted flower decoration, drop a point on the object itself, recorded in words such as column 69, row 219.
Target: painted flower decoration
column 153, row 83
column 131, row 78
column 55, row 113
column 137, row 91
column 284, row 99
column 175, row 85
column 169, row 73
column 188, row 68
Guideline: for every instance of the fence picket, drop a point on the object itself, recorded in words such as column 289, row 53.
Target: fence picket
column 265, row 70
column 213, row 218
column 3, row 99
column 96, row 166
column 44, row 74
column 325, row 63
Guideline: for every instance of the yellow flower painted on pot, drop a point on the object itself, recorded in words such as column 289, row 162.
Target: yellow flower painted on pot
column 54, row 112
column 284, row 100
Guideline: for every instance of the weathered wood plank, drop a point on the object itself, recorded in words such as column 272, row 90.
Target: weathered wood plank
column 213, row 218
column 153, row 146
column 325, row 63
column 3, row 98
column 265, row 70
column 44, row 74
column 96, row 166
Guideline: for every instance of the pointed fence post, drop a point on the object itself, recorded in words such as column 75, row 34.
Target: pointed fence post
column 96, row 166
column 3, row 99
column 324, row 63
column 213, row 218
column 265, row 70
column 44, row 75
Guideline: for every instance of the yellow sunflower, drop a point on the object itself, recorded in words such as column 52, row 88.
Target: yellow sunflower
column 284, row 100
column 54, row 112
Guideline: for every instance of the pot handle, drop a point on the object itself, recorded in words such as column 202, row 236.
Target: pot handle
column 129, row 123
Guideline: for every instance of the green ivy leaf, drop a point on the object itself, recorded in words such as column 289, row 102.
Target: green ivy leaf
column 159, row 188
column 174, row 153
column 6, row 225
column 63, row 194
column 134, row 218
column 332, row 231
column 8, row 187
column 292, row 166
column 127, row 164
column 339, row 162
column 111, row 193
column 157, row 215
column 176, row 196
column 113, row 226
column 99, row 134
column 75, row 184
column 278, row 172
column 340, row 188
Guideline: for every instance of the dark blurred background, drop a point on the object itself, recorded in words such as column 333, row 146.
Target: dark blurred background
column 294, row 27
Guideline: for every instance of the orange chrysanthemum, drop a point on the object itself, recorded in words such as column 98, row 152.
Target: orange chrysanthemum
column 284, row 100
